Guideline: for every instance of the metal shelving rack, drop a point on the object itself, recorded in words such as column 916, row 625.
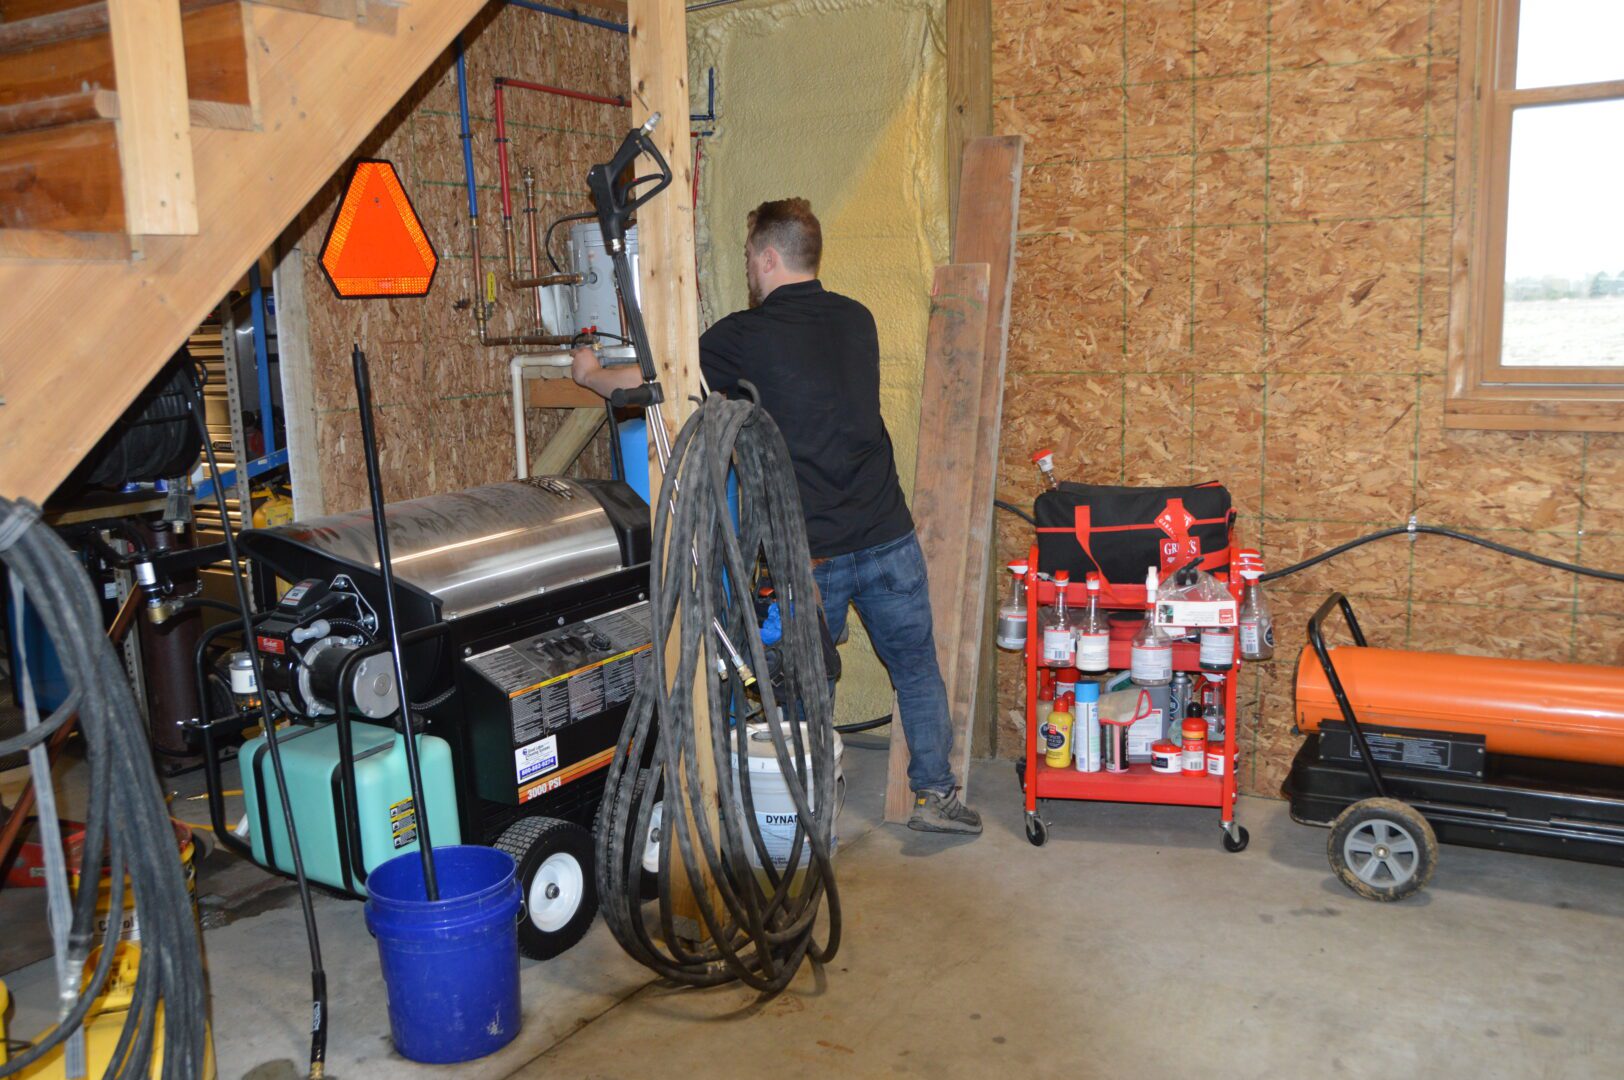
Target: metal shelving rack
column 1139, row 784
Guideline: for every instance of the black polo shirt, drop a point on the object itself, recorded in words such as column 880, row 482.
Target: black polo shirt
column 814, row 356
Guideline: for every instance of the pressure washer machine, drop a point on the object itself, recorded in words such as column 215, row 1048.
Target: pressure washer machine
column 523, row 617
column 1405, row 749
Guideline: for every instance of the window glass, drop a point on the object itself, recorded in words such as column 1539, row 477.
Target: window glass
column 1564, row 292
column 1560, row 42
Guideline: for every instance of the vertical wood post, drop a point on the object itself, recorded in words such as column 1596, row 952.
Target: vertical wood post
column 665, row 242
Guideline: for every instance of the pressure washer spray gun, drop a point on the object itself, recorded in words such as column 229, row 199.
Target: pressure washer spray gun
column 615, row 190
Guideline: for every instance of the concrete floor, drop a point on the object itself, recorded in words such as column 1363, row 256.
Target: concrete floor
column 1131, row 945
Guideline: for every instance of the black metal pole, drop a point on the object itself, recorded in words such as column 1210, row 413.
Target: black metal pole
column 369, row 450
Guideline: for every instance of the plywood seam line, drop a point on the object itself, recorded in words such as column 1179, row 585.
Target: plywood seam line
column 1426, row 155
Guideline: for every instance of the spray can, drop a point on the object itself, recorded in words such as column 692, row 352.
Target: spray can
column 1057, row 734
column 1178, row 704
column 1086, row 728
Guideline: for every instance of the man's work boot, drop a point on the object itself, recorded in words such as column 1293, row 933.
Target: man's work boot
column 936, row 812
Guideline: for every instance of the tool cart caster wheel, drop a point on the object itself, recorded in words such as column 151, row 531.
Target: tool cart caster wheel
column 1036, row 831
column 1236, row 839
column 556, row 884
column 1383, row 849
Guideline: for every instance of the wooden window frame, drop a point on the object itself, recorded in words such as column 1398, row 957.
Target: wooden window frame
column 1483, row 393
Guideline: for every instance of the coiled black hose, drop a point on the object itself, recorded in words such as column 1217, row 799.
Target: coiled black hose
column 125, row 816
column 763, row 926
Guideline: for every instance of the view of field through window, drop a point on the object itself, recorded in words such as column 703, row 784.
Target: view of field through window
column 1564, row 278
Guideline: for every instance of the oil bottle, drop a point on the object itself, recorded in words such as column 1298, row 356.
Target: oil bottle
column 1093, row 632
column 1151, row 660
column 1012, row 616
column 1059, row 631
column 1044, row 460
column 1257, row 625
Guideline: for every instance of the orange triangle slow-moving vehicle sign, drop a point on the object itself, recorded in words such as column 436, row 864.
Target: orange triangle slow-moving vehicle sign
column 376, row 245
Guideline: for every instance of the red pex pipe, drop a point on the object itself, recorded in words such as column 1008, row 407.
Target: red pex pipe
column 501, row 124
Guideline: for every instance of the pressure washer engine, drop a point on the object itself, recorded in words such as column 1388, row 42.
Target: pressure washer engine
column 523, row 616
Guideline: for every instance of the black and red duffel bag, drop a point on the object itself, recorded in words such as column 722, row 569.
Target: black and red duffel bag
column 1120, row 532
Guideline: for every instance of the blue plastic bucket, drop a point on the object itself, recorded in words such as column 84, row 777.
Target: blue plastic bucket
column 450, row 967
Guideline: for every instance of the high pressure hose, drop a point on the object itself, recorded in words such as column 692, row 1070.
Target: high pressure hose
column 125, row 815
column 762, row 924
column 318, row 976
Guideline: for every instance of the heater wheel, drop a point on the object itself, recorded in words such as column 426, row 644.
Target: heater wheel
column 556, row 883
column 1383, row 849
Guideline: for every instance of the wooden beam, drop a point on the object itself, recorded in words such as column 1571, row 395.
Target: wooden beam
column 665, row 238
column 969, row 87
column 298, row 372
column 560, row 393
column 154, row 122
column 565, row 444
column 94, row 357
column 955, row 350
column 989, row 210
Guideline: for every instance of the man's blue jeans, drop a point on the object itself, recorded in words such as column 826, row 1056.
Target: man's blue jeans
column 887, row 584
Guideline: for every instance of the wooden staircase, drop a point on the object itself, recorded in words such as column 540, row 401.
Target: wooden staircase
column 150, row 150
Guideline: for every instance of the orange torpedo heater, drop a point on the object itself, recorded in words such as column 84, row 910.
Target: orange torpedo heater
column 376, row 246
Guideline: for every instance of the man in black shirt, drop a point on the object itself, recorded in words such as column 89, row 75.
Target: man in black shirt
column 814, row 358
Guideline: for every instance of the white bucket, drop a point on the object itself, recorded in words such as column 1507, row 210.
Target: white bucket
column 769, row 795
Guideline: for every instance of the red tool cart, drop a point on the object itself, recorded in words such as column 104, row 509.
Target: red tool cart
column 1139, row 784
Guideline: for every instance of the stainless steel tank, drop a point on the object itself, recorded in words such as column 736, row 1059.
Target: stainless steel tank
column 468, row 550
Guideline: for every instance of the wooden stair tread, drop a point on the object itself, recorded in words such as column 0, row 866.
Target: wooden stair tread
column 215, row 38
column 56, row 111
column 83, row 20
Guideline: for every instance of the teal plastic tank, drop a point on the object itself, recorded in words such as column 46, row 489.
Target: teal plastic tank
column 383, row 795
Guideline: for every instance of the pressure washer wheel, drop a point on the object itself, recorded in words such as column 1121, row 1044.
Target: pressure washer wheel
column 1383, row 849
column 556, row 883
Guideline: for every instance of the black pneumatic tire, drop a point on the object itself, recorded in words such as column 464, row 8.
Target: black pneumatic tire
column 557, row 883
column 648, row 881
column 1383, row 849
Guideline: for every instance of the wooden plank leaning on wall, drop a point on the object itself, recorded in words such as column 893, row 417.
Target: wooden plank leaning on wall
column 989, row 210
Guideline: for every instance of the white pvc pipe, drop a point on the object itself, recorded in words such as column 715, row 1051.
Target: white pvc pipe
column 520, row 363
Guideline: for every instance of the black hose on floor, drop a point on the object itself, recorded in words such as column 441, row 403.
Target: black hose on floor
column 126, row 817
column 760, row 924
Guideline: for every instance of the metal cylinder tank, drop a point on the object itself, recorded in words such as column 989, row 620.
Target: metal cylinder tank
column 1530, row 708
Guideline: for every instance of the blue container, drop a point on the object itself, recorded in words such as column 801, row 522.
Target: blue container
column 450, row 967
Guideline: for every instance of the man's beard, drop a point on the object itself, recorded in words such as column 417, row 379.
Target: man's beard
column 754, row 290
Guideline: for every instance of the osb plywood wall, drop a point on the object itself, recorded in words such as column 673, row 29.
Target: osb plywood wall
column 443, row 415
column 840, row 102
column 1233, row 264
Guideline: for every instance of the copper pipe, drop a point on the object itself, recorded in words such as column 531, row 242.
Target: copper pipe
column 535, row 244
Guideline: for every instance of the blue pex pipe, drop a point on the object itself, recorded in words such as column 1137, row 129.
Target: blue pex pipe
column 467, row 136
column 619, row 28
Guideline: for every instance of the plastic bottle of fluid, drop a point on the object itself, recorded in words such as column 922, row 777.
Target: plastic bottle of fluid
column 1151, row 660
column 1217, row 648
column 1059, row 631
column 1057, row 734
column 1085, row 731
column 1257, row 625
column 1044, row 460
column 1012, row 616
column 1213, row 712
column 1093, row 632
